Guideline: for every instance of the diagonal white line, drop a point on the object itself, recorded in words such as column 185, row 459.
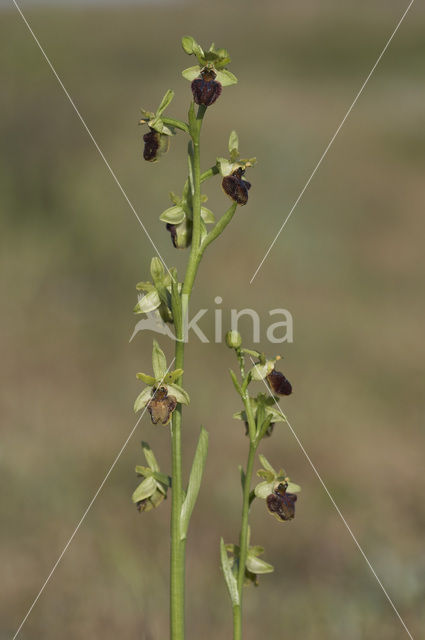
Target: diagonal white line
column 111, row 171
column 331, row 141
column 347, row 526
column 102, row 484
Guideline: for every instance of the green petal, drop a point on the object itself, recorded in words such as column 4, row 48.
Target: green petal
column 174, row 375
column 179, row 393
column 145, row 490
column 191, row 73
column 150, row 380
column 173, row 215
column 233, row 142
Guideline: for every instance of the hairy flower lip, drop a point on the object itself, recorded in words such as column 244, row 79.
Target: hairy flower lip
column 206, row 89
column 236, row 187
column 281, row 504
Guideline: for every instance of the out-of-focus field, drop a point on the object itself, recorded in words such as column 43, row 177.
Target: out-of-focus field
column 349, row 266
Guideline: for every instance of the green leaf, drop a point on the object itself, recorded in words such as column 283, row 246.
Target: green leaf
column 195, row 479
column 144, row 490
column 188, row 43
column 231, row 583
column 233, row 142
column 150, row 380
column 173, row 376
column 159, row 362
column 240, row 415
column 149, row 456
column 225, row 77
column 148, row 303
column 266, row 464
column 173, row 215
column 142, row 399
column 165, row 102
column 179, row 393
column 207, row 215
column 191, row 73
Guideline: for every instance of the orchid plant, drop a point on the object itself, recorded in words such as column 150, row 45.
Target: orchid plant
column 194, row 227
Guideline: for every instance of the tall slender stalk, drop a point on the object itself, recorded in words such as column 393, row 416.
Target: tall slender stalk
column 243, row 537
column 177, row 583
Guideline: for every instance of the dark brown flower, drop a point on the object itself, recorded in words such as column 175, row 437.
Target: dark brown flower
column 161, row 406
column 206, row 89
column 278, row 383
column 281, row 504
column 235, row 187
column 181, row 234
column 151, row 140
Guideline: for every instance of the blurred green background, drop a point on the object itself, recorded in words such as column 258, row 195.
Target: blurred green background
column 349, row 266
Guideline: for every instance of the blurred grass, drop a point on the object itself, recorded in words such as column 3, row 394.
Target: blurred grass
column 349, row 266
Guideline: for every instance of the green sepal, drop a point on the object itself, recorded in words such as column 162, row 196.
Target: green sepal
column 188, row 43
column 194, row 484
column 145, row 286
column 145, row 489
column 261, row 371
column 264, row 489
column 148, row 303
column 165, row 102
column 150, row 380
column 150, row 457
column 145, row 472
column 173, row 215
column 258, row 566
column 266, row 464
column 142, row 399
column 179, row 393
column 225, row 77
column 191, row 73
column 159, row 362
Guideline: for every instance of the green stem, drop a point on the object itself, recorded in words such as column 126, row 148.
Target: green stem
column 219, row 227
column 243, row 542
column 178, row 547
